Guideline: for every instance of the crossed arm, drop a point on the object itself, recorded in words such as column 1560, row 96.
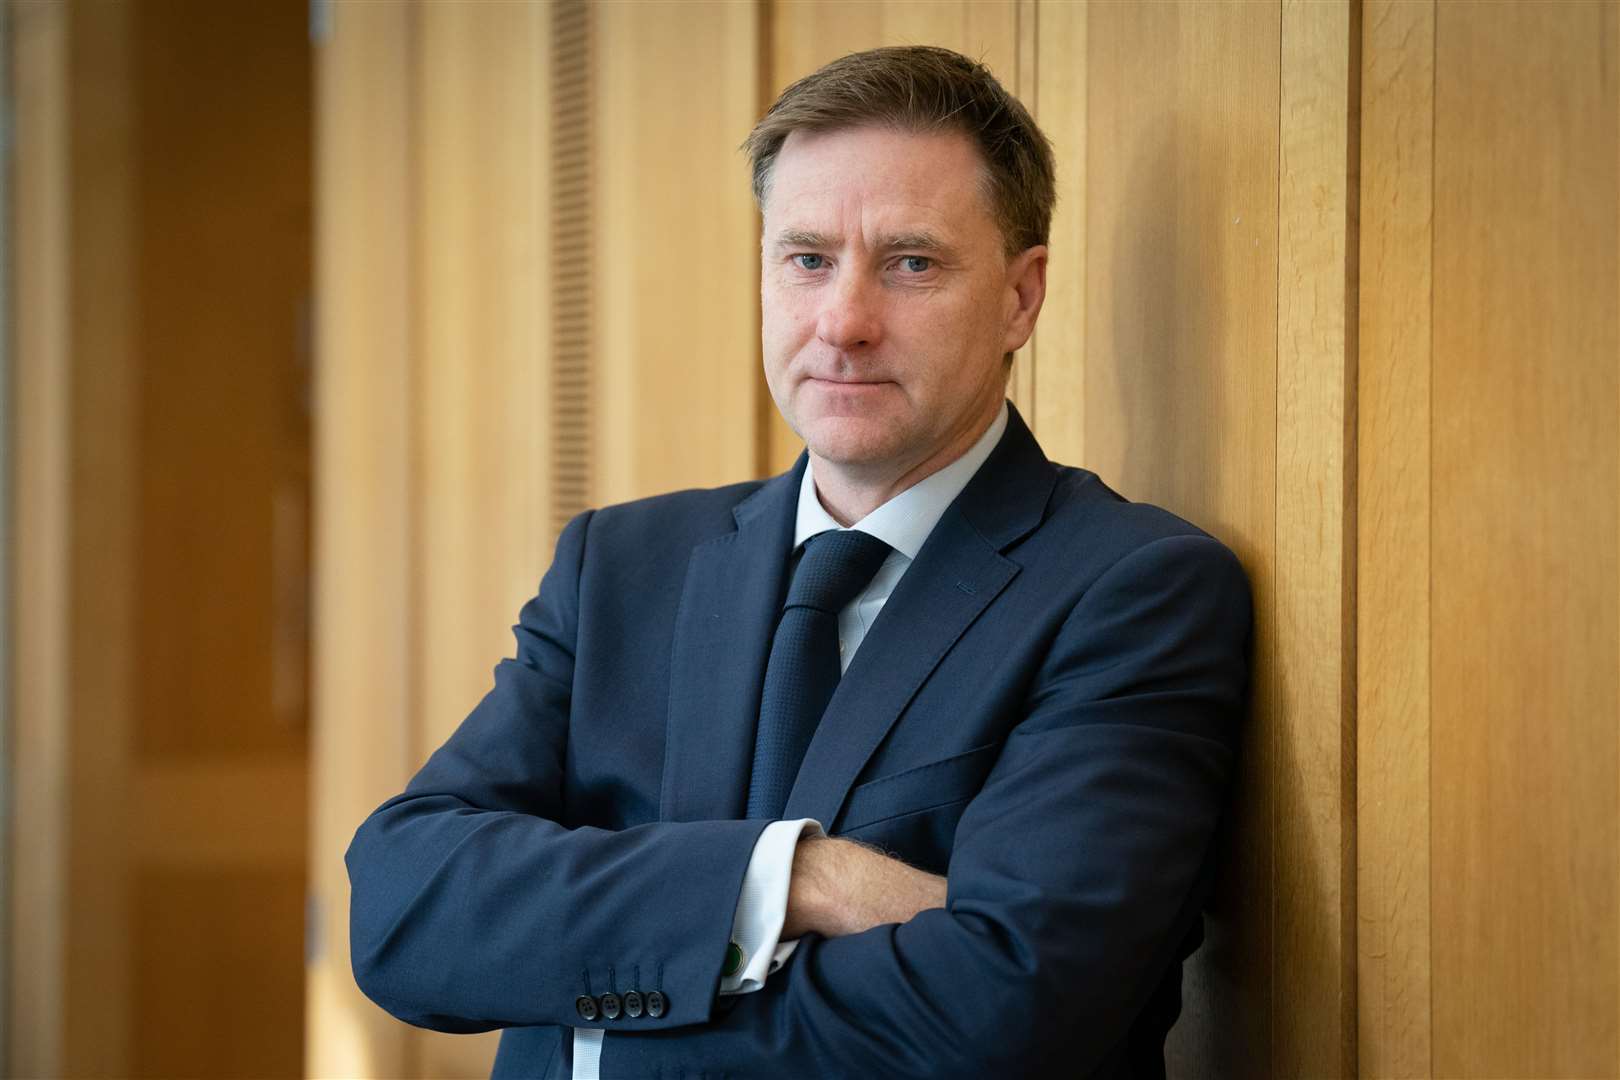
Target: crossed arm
column 474, row 908
column 840, row 887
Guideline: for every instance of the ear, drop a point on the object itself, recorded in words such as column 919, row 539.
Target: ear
column 1025, row 293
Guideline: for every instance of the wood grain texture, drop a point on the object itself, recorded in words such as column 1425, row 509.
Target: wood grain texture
column 675, row 275
column 361, row 750
column 481, row 482
column 1526, row 902
column 1180, row 407
column 809, row 33
column 1062, row 77
column 1314, row 826
column 1393, row 553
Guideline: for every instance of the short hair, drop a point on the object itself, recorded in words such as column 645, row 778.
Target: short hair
column 920, row 88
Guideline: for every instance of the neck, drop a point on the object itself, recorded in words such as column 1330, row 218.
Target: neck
column 849, row 492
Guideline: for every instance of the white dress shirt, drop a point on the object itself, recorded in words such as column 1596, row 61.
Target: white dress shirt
column 904, row 523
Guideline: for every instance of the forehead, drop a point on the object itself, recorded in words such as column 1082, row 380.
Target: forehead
column 878, row 179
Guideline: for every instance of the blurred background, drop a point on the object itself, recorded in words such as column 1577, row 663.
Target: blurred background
column 321, row 318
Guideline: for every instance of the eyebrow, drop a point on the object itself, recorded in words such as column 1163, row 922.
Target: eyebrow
column 910, row 241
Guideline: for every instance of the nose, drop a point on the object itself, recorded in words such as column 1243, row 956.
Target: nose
column 851, row 316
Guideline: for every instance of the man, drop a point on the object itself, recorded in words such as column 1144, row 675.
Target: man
column 1007, row 697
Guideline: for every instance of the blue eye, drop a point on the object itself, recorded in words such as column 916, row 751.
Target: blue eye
column 809, row 262
column 916, row 264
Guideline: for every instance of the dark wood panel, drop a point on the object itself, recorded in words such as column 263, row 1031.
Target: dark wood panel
column 218, row 972
column 221, row 269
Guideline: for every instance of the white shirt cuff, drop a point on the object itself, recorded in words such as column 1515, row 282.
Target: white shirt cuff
column 756, row 929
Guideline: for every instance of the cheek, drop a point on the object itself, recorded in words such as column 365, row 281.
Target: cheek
column 785, row 323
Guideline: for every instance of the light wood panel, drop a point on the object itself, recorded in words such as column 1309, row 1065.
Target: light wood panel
column 1062, row 77
column 675, row 293
column 1393, row 554
column 481, row 487
column 1313, row 652
column 1179, row 391
column 1525, row 692
column 364, row 702
column 808, row 33
column 1026, row 72
column 37, row 740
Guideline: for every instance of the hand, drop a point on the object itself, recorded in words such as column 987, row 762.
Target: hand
column 840, row 887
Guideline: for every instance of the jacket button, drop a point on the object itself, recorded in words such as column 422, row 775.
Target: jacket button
column 586, row 1007
column 657, row 1003
column 632, row 1004
column 610, row 1006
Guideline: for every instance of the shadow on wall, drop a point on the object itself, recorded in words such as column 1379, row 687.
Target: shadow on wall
column 1192, row 402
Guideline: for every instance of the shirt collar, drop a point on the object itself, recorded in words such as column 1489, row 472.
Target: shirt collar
column 905, row 521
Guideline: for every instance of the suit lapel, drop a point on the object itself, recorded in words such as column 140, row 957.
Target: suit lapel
column 728, row 613
column 957, row 574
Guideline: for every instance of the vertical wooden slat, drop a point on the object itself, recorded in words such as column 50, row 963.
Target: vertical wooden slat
column 103, row 574
column 1021, row 386
column 1315, row 632
column 361, row 748
column 674, row 265
column 571, row 169
column 1063, row 73
column 1393, row 554
column 481, row 481
column 1180, row 400
column 1526, row 572
column 37, row 823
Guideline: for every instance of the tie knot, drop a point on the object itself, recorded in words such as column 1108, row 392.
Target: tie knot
column 836, row 566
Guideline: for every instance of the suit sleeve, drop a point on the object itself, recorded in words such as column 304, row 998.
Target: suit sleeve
column 1074, row 872
column 473, row 906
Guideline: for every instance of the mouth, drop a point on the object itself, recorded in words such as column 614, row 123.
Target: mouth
column 847, row 383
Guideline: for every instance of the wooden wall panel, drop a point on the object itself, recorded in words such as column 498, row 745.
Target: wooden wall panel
column 102, row 416
column 1179, row 390
column 1393, row 553
column 481, row 484
column 194, row 1011
column 1526, row 909
column 675, row 293
column 364, row 702
column 42, row 452
column 1062, row 78
column 1313, row 652
column 169, row 262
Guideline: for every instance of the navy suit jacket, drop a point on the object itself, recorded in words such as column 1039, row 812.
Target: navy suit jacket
column 1046, row 711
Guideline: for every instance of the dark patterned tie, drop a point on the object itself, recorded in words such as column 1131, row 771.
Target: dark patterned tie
column 803, row 669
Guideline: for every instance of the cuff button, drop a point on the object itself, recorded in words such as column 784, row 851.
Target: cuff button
column 586, row 1007
column 611, row 1006
column 632, row 1004
column 657, row 1004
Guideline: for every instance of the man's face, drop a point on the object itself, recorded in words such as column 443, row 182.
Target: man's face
column 888, row 300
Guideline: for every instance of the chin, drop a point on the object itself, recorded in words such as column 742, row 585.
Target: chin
column 846, row 440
